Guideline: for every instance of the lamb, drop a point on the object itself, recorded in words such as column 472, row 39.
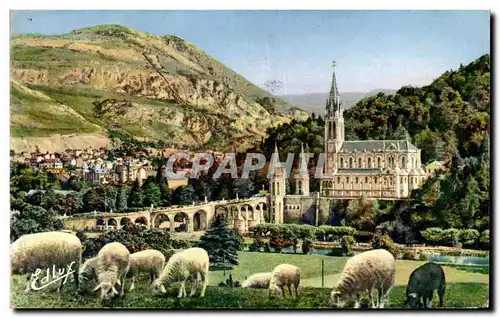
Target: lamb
column 259, row 280
column 88, row 271
column 113, row 262
column 149, row 262
column 44, row 251
column 365, row 272
column 181, row 266
column 422, row 284
column 284, row 275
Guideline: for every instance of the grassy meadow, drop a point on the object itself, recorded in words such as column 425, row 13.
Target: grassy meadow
column 467, row 286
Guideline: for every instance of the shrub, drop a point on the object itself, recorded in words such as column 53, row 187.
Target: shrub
column 423, row 257
column 469, row 237
column 347, row 241
column 485, row 239
column 306, row 246
column 432, row 235
column 385, row 242
column 134, row 238
column 257, row 243
column 449, row 237
column 409, row 255
column 363, row 236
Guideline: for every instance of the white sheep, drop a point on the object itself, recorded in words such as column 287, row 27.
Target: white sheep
column 149, row 262
column 375, row 269
column 259, row 280
column 284, row 275
column 180, row 267
column 113, row 262
column 46, row 250
column 88, row 271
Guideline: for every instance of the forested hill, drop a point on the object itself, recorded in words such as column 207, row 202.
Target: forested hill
column 450, row 116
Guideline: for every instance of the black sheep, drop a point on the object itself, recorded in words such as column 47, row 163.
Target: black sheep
column 422, row 284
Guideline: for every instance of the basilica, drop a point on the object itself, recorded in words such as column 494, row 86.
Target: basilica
column 374, row 169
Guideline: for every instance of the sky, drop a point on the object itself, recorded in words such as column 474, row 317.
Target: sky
column 372, row 49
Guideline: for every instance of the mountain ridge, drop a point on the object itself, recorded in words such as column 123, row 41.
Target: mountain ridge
column 142, row 87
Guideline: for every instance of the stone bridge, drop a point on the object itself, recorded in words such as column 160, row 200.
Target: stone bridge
column 241, row 214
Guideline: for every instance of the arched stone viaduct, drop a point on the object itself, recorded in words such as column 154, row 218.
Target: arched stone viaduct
column 241, row 214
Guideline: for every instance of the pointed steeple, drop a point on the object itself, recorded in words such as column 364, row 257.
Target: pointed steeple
column 303, row 159
column 276, row 155
column 333, row 101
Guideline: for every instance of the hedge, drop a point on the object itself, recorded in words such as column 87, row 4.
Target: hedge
column 305, row 231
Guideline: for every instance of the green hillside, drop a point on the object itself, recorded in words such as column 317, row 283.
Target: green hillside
column 160, row 89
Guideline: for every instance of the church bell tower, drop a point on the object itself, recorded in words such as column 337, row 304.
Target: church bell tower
column 334, row 126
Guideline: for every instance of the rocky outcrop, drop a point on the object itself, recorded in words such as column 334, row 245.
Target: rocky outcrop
column 149, row 87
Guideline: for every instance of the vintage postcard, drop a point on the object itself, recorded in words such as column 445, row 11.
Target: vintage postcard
column 250, row 160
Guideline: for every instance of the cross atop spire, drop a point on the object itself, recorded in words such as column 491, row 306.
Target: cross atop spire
column 333, row 101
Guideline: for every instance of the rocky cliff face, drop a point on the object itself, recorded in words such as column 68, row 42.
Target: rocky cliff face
column 145, row 87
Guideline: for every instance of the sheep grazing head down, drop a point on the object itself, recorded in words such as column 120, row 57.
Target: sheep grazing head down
column 158, row 287
column 413, row 301
column 107, row 290
column 339, row 300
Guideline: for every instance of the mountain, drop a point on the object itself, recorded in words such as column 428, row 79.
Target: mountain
column 315, row 102
column 108, row 82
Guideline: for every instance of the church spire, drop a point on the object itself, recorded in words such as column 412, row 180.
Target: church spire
column 303, row 159
column 333, row 101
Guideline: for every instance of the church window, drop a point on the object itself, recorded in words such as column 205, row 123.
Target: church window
column 379, row 162
column 370, row 163
column 359, row 163
column 347, row 180
column 413, row 162
column 404, row 180
column 366, row 179
column 334, row 132
column 300, row 186
column 338, row 179
column 278, row 188
column 403, row 163
column 341, row 162
column 357, row 180
column 350, row 163
column 376, row 179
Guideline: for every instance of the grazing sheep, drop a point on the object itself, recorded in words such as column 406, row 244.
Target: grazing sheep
column 88, row 271
column 422, row 284
column 149, row 262
column 46, row 250
column 365, row 272
column 259, row 280
column 284, row 275
column 180, row 267
column 113, row 262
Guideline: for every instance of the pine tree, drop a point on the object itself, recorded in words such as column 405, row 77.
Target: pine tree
column 136, row 196
column 221, row 243
column 121, row 199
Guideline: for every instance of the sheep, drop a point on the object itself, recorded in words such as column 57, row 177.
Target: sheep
column 422, row 284
column 365, row 272
column 113, row 262
column 149, row 262
column 284, row 275
column 31, row 254
column 88, row 271
column 181, row 266
column 259, row 280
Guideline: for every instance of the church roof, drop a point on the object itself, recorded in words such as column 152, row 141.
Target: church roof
column 377, row 145
column 364, row 171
